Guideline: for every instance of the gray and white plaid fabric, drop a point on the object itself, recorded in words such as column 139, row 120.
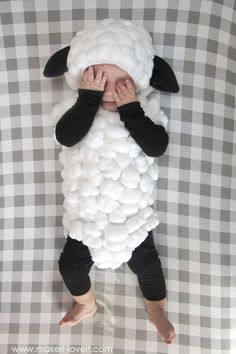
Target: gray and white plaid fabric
column 196, row 189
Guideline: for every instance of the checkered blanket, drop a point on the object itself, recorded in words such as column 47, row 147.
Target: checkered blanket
column 196, row 187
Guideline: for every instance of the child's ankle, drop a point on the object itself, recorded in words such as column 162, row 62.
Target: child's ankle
column 86, row 299
column 156, row 305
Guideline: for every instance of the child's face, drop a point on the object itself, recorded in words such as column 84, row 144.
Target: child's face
column 114, row 75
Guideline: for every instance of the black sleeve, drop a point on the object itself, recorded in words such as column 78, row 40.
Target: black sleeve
column 152, row 138
column 75, row 123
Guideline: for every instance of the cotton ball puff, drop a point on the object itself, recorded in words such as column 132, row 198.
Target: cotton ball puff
column 130, row 177
column 115, row 132
column 87, row 205
column 114, row 246
column 112, row 189
column 95, row 243
column 145, row 183
column 116, row 233
column 122, row 145
column 130, row 196
column 117, row 217
column 123, row 255
column 123, row 160
column 72, row 198
column 92, row 229
column 129, row 208
column 123, row 39
column 153, row 172
column 141, row 163
column 106, row 204
column 87, row 189
column 134, row 150
column 74, row 171
column 109, row 264
column 101, row 220
column 112, row 172
column 151, row 222
column 136, row 238
column 71, row 210
column 135, row 222
column 101, row 255
column 107, row 37
column 76, row 229
column 95, row 140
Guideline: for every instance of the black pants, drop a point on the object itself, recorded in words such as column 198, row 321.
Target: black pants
column 75, row 263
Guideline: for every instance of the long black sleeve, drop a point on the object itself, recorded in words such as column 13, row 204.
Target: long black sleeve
column 152, row 138
column 75, row 123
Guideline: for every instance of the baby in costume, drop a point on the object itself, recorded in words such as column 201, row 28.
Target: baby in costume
column 111, row 132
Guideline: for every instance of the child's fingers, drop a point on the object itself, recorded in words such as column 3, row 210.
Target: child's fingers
column 121, row 89
column 130, row 86
column 85, row 75
column 99, row 77
column 116, row 97
column 120, row 93
column 104, row 79
column 90, row 73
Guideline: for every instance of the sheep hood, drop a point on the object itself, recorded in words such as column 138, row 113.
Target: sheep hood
column 112, row 41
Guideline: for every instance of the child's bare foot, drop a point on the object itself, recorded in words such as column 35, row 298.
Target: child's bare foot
column 85, row 307
column 77, row 313
column 156, row 316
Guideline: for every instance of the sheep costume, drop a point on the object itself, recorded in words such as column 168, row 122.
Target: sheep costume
column 108, row 181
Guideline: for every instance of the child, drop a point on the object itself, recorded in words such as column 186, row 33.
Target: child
column 114, row 89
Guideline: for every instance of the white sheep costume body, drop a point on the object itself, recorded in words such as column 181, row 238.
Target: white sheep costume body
column 108, row 181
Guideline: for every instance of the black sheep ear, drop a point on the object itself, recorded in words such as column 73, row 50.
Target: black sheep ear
column 163, row 77
column 57, row 64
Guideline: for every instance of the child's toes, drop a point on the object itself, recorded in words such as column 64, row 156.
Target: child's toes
column 171, row 337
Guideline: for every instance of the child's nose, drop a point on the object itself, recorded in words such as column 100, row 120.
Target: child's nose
column 109, row 87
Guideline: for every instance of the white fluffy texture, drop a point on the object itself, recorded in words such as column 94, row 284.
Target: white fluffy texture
column 112, row 41
column 108, row 181
column 109, row 185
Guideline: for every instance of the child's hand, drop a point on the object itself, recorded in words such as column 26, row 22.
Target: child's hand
column 88, row 81
column 125, row 92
